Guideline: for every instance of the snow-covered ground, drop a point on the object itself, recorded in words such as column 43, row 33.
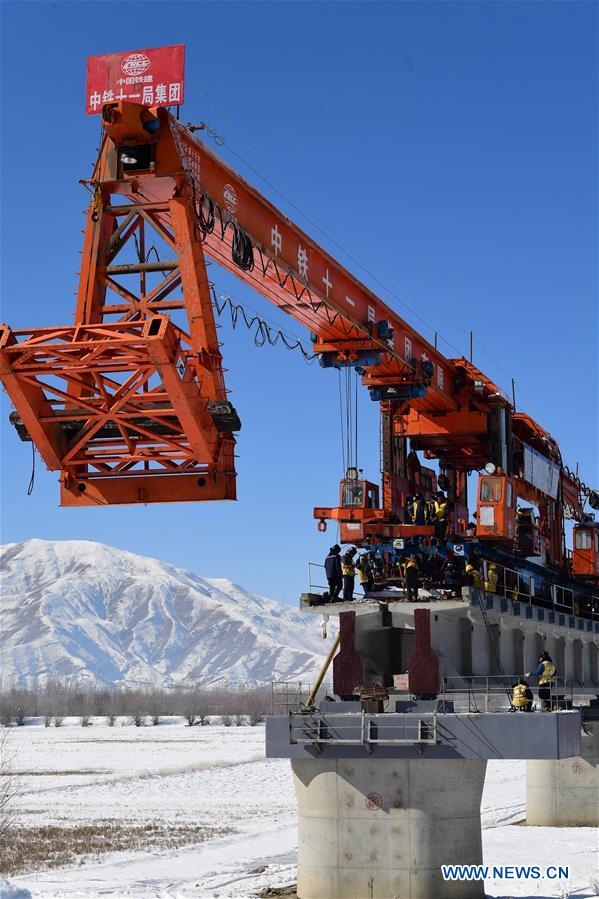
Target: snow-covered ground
column 218, row 777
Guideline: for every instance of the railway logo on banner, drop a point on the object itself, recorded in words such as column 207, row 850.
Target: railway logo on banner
column 136, row 64
column 152, row 77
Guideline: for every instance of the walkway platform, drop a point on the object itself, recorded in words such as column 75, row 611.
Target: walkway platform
column 553, row 735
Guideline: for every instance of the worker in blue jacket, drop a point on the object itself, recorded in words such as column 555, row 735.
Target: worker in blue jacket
column 545, row 671
column 332, row 567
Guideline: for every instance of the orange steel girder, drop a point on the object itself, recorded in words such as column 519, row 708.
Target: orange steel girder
column 187, row 429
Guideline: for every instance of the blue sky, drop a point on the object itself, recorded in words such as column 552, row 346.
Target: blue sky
column 450, row 147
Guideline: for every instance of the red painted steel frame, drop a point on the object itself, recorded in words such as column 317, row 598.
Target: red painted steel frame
column 121, row 402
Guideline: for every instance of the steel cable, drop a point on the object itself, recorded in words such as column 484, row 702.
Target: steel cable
column 264, row 333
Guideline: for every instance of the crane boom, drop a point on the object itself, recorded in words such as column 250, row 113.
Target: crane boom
column 129, row 403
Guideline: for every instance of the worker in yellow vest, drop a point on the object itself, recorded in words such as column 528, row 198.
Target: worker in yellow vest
column 473, row 578
column 491, row 579
column 411, row 576
column 418, row 511
column 545, row 671
column 522, row 697
column 348, row 572
column 365, row 572
column 440, row 514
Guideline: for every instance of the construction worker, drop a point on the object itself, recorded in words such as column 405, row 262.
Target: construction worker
column 545, row 671
column 453, row 575
column 411, row 575
column 332, row 567
column 473, row 578
column 522, row 697
column 418, row 510
column 348, row 572
column 491, row 580
column 440, row 514
column 365, row 572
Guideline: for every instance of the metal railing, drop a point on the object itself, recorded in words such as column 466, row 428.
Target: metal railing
column 512, row 584
column 289, row 697
column 521, row 587
column 493, row 693
column 468, row 694
column 329, row 730
column 315, row 578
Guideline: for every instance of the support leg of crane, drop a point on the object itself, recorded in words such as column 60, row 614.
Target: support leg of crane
column 565, row 792
column 383, row 827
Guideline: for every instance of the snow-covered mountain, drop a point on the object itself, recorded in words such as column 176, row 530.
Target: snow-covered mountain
column 75, row 607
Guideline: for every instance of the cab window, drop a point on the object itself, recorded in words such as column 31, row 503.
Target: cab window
column 372, row 500
column 583, row 540
column 490, row 490
column 353, row 493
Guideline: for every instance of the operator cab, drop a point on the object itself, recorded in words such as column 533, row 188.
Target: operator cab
column 495, row 508
column 357, row 493
column 585, row 555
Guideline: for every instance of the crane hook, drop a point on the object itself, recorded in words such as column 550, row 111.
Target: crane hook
column 322, row 526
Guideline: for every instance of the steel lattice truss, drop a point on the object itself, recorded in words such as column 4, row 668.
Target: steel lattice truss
column 126, row 404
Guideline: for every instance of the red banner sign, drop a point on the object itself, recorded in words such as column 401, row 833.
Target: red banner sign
column 148, row 77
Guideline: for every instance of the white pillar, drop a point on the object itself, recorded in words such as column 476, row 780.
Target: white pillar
column 565, row 793
column 507, row 648
column 381, row 828
column 587, row 667
column 594, row 661
column 532, row 648
column 555, row 646
column 577, row 653
column 569, row 664
column 482, row 654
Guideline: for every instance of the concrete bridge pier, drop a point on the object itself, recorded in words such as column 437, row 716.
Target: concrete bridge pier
column 382, row 828
column 386, row 798
column 565, row 792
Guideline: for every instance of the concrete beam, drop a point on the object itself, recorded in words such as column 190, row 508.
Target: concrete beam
column 554, row 735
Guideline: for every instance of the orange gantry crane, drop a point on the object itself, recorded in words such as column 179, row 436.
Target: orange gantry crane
column 129, row 403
